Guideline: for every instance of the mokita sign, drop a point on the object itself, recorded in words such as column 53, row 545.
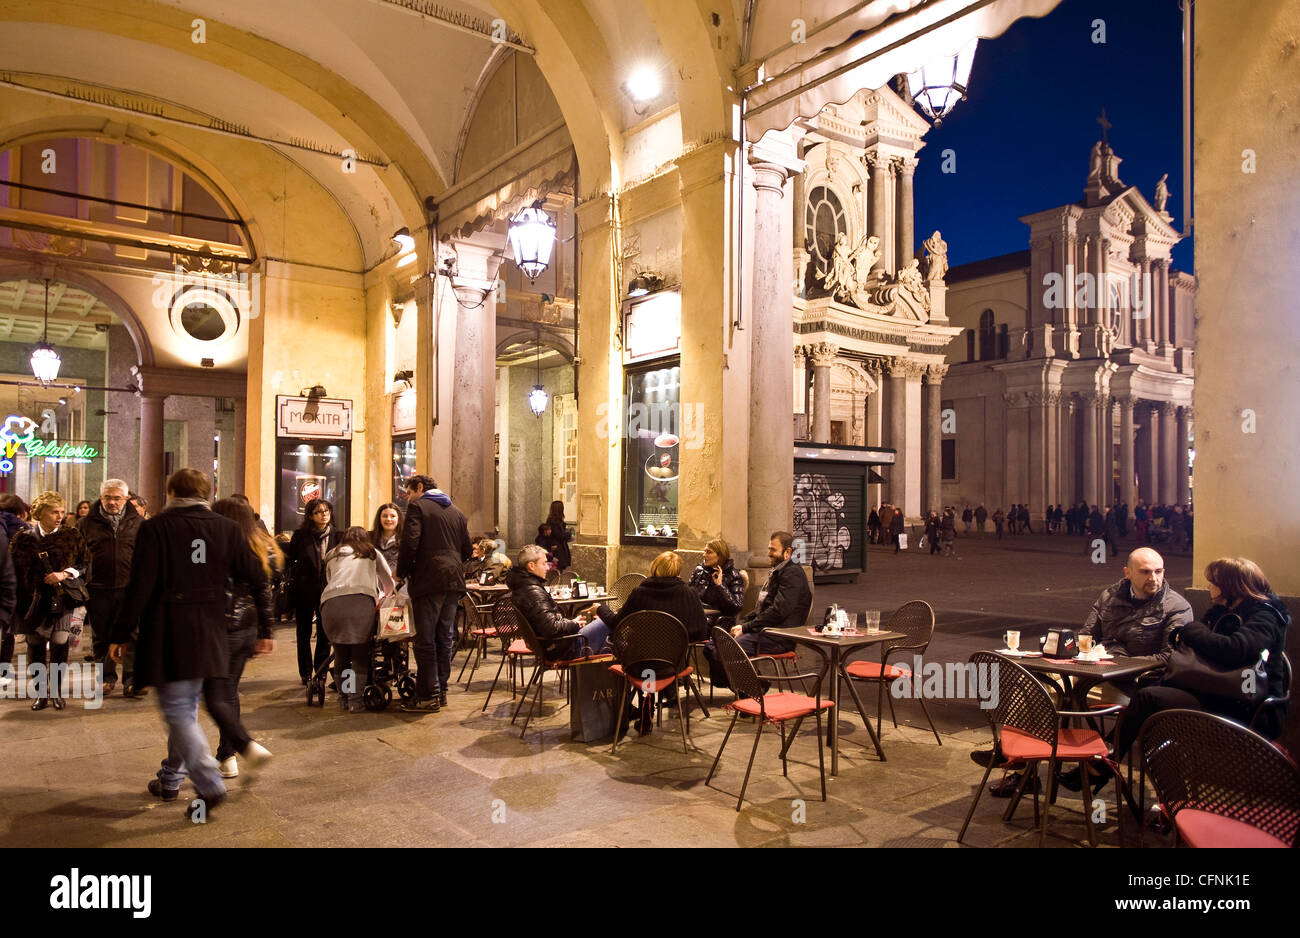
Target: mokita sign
column 313, row 418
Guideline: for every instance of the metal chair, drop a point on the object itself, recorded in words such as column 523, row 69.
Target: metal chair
column 776, row 708
column 915, row 620
column 1220, row 784
column 1270, row 702
column 1028, row 729
column 621, row 589
column 479, row 632
column 553, row 577
column 505, row 620
column 652, row 649
column 544, row 663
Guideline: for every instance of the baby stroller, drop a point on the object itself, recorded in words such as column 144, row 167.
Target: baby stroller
column 389, row 669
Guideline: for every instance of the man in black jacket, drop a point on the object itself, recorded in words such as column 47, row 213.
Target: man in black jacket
column 562, row 639
column 435, row 546
column 109, row 530
column 783, row 603
column 176, row 604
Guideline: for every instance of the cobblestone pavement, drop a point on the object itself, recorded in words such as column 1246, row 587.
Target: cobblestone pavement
column 464, row 777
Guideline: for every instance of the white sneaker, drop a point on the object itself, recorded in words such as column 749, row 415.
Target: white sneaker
column 230, row 768
column 256, row 754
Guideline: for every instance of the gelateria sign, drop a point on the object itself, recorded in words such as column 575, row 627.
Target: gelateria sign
column 19, row 434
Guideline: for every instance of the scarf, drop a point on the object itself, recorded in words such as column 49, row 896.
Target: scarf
column 175, row 503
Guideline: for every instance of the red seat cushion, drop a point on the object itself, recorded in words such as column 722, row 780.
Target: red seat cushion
column 870, row 670
column 780, row 656
column 489, row 632
column 518, row 647
column 658, row 685
column 780, row 707
column 1018, row 746
column 1203, row 829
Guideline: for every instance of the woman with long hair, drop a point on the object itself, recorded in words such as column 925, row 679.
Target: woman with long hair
column 315, row 538
column 356, row 575
column 560, row 536
column 718, row 583
column 46, row 611
column 386, row 532
column 221, row 694
column 71, row 518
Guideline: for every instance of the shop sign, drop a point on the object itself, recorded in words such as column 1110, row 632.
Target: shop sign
column 19, row 433
column 652, row 327
column 319, row 418
column 404, row 412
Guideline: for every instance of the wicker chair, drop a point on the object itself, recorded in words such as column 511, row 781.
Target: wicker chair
column 655, row 643
column 505, row 621
column 776, row 708
column 479, row 632
column 1029, row 730
column 622, row 588
column 915, row 620
column 544, row 663
column 1220, row 784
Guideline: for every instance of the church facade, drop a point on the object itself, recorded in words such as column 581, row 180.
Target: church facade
column 1074, row 379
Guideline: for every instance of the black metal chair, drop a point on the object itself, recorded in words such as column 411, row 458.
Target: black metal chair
column 479, row 632
column 505, row 620
column 776, row 708
column 622, row 589
column 1028, row 729
column 1269, row 703
column 915, row 621
column 1219, row 783
column 652, row 649
column 544, row 663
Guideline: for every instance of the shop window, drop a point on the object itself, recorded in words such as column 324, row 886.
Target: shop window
column 988, row 335
column 652, row 430
column 948, row 456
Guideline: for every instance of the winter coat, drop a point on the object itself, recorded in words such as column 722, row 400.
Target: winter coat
column 528, row 592
column 886, row 517
column 65, row 547
column 12, row 524
column 932, row 528
column 435, row 546
column 981, row 514
column 177, row 594
column 110, row 550
column 727, row 598
column 1136, row 626
column 1234, row 638
column 349, row 575
column 560, row 537
column 783, row 603
column 247, row 608
column 662, row 594
column 896, row 525
column 306, row 566
column 391, row 550
column 9, row 623
column 967, row 516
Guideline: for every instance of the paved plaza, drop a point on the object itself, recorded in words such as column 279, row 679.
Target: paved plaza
column 465, row 778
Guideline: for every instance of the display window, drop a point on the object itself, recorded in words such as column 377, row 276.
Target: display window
column 652, row 431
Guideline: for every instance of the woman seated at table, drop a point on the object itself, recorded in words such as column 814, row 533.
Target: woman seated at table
column 663, row 591
column 1245, row 619
column 486, row 559
column 718, row 583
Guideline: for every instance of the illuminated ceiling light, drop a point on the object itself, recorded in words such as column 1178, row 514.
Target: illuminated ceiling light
column 643, row 85
column 938, row 86
column 402, row 238
column 45, row 360
column 532, row 237
column 537, row 397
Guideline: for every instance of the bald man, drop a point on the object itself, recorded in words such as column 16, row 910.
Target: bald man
column 1136, row 615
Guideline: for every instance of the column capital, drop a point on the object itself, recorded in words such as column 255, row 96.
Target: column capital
column 874, row 366
column 1090, row 398
column 1185, row 412
column 1053, row 397
column 1124, row 401
column 769, row 177
column 800, row 354
column 901, row 367
column 823, row 354
column 1167, row 408
column 902, row 165
column 1012, row 398
column 596, row 211
column 934, row 374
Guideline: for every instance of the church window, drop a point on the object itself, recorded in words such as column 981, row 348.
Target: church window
column 988, row 337
column 823, row 220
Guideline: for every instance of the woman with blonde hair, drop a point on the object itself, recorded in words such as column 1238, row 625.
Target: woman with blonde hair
column 45, row 556
column 664, row 591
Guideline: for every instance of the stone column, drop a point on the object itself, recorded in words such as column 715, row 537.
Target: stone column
column 904, row 169
column 800, row 385
column 1162, row 290
column 771, row 324
column 1168, row 453
column 823, row 355
column 150, row 482
column 931, row 438
column 1092, row 315
column 1149, row 454
column 896, row 429
column 1126, row 492
column 879, row 206
column 1180, row 451
column 1089, row 402
column 1146, row 323
column 1105, row 315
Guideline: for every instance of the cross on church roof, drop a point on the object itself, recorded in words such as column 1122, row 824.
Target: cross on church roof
column 1105, row 126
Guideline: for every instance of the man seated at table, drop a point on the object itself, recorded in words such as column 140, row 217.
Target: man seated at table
column 562, row 639
column 1136, row 615
column 783, row 603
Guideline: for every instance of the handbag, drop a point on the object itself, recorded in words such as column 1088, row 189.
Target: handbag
column 1187, row 670
column 73, row 589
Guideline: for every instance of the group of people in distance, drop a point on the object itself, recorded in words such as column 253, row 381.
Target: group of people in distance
column 1141, row 615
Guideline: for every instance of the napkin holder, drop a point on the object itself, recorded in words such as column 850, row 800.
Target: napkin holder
column 1060, row 643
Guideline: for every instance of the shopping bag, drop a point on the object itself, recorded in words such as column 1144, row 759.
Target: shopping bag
column 596, row 690
column 902, row 542
column 923, row 543
column 395, row 618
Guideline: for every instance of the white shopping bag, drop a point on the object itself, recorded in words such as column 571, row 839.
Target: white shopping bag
column 902, row 542
column 395, row 617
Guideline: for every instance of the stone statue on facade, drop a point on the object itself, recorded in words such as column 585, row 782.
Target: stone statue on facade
column 936, row 257
column 1094, row 163
column 1162, row 193
column 864, row 258
column 838, row 281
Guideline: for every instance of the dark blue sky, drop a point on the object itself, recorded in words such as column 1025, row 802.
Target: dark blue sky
column 1023, row 135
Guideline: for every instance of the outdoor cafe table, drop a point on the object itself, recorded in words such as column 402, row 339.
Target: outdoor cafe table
column 485, row 596
column 833, row 648
column 1079, row 677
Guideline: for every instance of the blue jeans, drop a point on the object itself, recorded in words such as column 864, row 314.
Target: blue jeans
column 593, row 635
column 435, row 634
column 187, row 747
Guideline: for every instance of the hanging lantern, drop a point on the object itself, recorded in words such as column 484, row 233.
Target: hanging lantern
column 537, row 400
column 45, row 360
column 938, row 86
column 532, row 237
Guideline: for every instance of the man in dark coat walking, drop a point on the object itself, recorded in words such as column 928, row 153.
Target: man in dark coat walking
column 109, row 530
column 176, row 604
column 435, row 546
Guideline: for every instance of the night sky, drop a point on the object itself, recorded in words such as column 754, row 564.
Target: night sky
column 1023, row 135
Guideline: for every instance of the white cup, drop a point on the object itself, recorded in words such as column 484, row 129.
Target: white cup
column 872, row 619
column 1013, row 639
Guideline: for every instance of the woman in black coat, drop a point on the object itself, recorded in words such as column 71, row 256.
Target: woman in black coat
column 46, row 616
column 663, row 591
column 314, row 538
column 719, row 584
column 13, row 518
column 560, row 536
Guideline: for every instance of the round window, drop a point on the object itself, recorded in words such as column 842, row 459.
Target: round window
column 202, row 322
column 823, row 221
column 204, row 314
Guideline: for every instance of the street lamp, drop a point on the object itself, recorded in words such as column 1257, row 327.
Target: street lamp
column 938, row 86
column 532, row 236
column 45, row 360
column 537, row 397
